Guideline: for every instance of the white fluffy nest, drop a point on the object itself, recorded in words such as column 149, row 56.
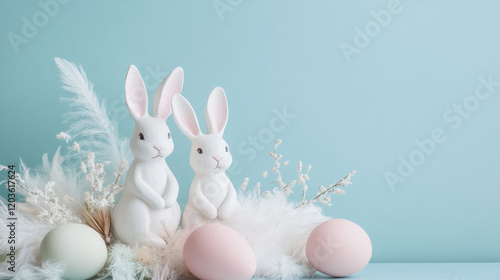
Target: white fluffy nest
column 276, row 231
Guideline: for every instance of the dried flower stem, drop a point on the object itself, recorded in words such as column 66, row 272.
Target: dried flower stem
column 48, row 210
column 331, row 189
column 322, row 195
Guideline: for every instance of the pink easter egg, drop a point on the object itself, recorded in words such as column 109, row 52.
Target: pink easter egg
column 218, row 252
column 338, row 248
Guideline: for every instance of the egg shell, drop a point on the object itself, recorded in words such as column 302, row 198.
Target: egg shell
column 338, row 248
column 217, row 252
column 80, row 248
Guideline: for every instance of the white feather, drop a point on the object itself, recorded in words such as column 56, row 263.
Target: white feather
column 90, row 125
column 162, row 263
column 123, row 264
column 277, row 232
column 66, row 179
column 29, row 235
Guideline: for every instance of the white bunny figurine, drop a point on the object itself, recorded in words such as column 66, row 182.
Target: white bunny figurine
column 148, row 210
column 212, row 195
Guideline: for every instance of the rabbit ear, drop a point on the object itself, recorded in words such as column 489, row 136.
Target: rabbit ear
column 172, row 84
column 217, row 111
column 136, row 96
column 184, row 116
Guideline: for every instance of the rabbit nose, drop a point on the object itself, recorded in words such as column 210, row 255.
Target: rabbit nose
column 217, row 157
column 158, row 147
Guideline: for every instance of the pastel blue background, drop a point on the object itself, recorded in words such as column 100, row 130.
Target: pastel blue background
column 269, row 55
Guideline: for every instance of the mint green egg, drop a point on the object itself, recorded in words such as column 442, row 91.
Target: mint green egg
column 80, row 248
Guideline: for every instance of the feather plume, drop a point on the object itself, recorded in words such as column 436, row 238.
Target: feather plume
column 277, row 233
column 90, row 125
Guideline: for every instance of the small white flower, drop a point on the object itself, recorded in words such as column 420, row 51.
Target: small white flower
column 76, row 147
column 267, row 194
column 321, row 189
column 308, row 168
column 257, row 188
column 83, row 167
column 277, row 143
column 264, row 174
column 244, row 184
column 338, row 191
column 64, row 136
column 32, row 199
column 326, row 203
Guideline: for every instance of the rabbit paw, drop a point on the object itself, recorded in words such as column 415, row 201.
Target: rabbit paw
column 210, row 213
column 170, row 202
column 225, row 212
column 158, row 203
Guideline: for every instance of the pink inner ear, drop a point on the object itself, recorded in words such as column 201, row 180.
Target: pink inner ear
column 137, row 101
column 185, row 116
column 217, row 112
column 165, row 106
column 189, row 125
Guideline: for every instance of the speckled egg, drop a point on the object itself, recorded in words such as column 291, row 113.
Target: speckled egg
column 217, row 252
column 80, row 248
column 338, row 248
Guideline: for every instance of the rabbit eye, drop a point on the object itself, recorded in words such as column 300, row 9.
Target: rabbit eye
column 141, row 136
column 168, row 135
column 200, row 151
column 227, row 149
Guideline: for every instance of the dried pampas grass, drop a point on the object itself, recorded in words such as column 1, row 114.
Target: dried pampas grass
column 99, row 221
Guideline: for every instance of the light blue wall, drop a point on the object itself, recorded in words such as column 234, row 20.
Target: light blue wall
column 360, row 111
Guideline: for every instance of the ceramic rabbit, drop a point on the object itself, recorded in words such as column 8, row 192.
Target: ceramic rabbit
column 148, row 211
column 212, row 195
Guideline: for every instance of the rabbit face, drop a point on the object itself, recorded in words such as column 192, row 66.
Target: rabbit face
column 210, row 154
column 151, row 139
